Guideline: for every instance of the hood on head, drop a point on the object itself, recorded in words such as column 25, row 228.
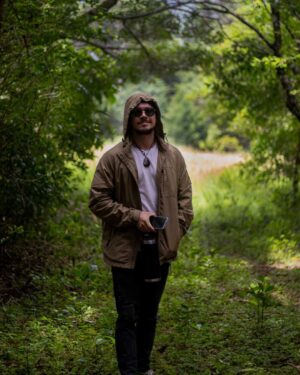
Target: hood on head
column 135, row 100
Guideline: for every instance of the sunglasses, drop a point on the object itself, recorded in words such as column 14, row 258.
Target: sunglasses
column 149, row 112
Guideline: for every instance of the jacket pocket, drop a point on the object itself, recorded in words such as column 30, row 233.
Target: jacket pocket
column 107, row 235
column 171, row 236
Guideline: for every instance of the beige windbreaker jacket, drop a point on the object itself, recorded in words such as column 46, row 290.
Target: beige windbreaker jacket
column 115, row 198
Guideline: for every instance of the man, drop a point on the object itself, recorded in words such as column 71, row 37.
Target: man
column 141, row 177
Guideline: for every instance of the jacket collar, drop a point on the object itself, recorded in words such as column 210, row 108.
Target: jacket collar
column 127, row 159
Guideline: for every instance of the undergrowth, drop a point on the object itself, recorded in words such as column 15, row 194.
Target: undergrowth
column 230, row 305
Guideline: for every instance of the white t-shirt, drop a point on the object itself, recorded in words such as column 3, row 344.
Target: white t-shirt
column 147, row 176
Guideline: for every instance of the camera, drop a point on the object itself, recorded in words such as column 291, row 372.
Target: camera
column 159, row 222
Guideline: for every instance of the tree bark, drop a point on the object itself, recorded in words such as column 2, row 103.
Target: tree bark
column 291, row 99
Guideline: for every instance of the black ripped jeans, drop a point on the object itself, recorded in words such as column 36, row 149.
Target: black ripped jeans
column 137, row 304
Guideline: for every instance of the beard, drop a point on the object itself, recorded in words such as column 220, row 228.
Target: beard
column 143, row 131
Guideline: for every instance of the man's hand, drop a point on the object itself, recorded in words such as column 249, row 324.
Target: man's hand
column 144, row 224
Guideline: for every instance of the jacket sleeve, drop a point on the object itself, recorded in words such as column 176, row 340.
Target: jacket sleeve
column 102, row 202
column 184, row 196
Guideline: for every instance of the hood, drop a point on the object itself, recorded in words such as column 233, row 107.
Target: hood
column 135, row 100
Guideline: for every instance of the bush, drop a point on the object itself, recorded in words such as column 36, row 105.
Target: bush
column 245, row 217
column 227, row 143
column 51, row 98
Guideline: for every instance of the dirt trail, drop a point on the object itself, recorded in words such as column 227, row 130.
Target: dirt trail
column 201, row 164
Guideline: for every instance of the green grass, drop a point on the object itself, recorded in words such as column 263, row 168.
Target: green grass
column 238, row 260
column 239, row 217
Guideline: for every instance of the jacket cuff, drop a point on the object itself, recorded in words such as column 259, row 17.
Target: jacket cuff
column 136, row 215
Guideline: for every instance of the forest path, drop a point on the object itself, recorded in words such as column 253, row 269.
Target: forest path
column 201, row 164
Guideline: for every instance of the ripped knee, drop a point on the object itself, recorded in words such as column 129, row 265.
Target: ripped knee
column 127, row 314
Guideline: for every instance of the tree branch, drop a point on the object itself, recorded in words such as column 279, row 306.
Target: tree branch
column 152, row 12
column 108, row 4
column 205, row 5
column 135, row 37
column 225, row 10
column 266, row 6
column 98, row 44
column 104, row 48
column 105, row 5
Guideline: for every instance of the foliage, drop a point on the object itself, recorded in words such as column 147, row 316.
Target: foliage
column 247, row 83
column 187, row 125
column 251, row 219
column 227, row 143
column 260, row 291
column 52, row 89
column 61, row 62
column 249, row 52
column 250, row 73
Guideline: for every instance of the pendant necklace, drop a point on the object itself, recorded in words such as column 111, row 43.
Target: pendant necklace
column 146, row 162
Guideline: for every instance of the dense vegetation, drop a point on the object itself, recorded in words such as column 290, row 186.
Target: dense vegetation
column 226, row 74
column 62, row 62
column 52, row 89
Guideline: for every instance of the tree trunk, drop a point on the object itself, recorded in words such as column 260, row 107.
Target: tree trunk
column 292, row 103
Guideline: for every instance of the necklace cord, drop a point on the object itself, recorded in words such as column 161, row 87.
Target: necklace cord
column 146, row 161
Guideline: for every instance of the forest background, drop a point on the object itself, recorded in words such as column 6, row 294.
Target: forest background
column 226, row 74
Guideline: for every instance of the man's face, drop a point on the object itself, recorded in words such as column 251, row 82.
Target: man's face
column 143, row 118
